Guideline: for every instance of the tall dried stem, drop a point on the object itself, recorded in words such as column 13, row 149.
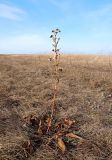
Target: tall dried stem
column 55, row 42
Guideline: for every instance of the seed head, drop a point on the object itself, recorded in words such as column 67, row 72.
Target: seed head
column 53, row 31
column 58, row 30
column 51, row 36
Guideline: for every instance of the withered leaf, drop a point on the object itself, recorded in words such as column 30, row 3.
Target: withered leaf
column 49, row 122
column 71, row 135
column 61, row 145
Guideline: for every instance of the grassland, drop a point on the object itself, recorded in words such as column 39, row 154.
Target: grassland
column 85, row 94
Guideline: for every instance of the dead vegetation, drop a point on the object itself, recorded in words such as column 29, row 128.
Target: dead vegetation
column 84, row 102
column 48, row 128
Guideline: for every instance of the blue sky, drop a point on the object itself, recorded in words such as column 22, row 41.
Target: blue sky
column 86, row 25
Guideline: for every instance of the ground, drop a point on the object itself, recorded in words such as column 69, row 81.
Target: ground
column 84, row 93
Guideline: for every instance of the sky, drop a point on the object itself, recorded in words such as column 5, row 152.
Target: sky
column 86, row 25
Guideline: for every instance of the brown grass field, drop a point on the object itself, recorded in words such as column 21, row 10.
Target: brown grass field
column 84, row 93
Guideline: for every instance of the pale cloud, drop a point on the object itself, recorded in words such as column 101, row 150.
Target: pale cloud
column 100, row 12
column 63, row 5
column 24, row 43
column 11, row 12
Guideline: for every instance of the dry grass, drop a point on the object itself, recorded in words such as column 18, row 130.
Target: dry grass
column 85, row 94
